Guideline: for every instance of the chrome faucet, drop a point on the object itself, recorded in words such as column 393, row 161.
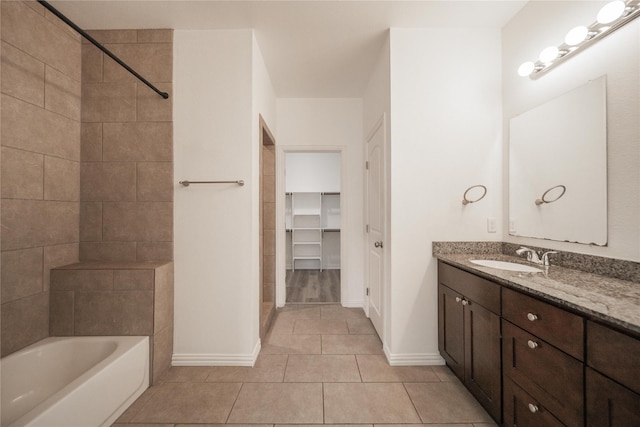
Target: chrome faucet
column 534, row 256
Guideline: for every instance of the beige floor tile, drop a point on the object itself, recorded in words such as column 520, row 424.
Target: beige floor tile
column 185, row 374
column 189, row 403
column 268, row 368
column 424, row 425
column 221, row 425
column 278, row 403
column 145, row 425
column 360, row 327
column 137, row 405
column 322, row 368
column 349, row 403
column 376, row 369
column 320, row 326
column 351, row 344
column 282, row 326
column 444, row 373
column 327, row 425
column 292, row 344
column 336, row 311
column 446, row 402
column 299, row 311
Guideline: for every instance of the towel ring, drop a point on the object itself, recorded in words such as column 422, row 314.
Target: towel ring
column 466, row 201
column 544, row 200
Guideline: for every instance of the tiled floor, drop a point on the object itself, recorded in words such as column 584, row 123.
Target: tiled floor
column 321, row 364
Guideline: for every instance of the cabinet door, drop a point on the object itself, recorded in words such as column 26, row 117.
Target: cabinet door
column 522, row 410
column 552, row 377
column 451, row 329
column 482, row 357
column 610, row 404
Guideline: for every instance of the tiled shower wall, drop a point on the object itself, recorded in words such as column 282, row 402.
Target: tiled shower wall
column 126, row 209
column 112, row 150
column 40, row 120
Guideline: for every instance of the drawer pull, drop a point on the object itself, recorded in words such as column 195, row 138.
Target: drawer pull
column 532, row 344
column 533, row 408
column 465, row 302
column 458, row 299
column 532, row 317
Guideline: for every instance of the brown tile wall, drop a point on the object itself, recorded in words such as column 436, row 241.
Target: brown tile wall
column 40, row 164
column 126, row 184
column 116, row 299
column 269, row 222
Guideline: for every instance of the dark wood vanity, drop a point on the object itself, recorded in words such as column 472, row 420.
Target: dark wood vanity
column 530, row 361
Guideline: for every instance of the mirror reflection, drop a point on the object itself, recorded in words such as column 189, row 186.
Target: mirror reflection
column 558, row 168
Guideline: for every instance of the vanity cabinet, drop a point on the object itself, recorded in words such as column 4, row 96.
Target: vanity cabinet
column 469, row 333
column 612, row 377
column 557, row 368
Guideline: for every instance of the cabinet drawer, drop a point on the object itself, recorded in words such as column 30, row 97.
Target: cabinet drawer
column 554, row 325
column 518, row 412
column 552, row 377
column 609, row 404
column 614, row 354
column 472, row 287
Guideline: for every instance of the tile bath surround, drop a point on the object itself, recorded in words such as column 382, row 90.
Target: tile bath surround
column 40, row 163
column 126, row 194
column 86, row 173
column 89, row 299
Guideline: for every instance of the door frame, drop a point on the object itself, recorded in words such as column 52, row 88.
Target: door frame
column 281, row 255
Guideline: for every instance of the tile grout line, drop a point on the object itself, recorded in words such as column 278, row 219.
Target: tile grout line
column 234, row 404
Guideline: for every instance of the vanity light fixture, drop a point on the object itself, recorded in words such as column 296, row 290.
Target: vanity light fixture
column 611, row 16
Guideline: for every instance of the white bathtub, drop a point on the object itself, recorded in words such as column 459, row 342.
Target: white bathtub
column 73, row 381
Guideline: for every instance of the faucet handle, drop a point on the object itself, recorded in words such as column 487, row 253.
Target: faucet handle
column 545, row 257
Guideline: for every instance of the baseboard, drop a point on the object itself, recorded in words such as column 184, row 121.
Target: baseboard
column 413, row 359
column 200, row 359
column 353, row 303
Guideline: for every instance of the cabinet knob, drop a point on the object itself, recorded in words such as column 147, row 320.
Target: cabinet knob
column 458, row 299
column 532, row 317
column 532, row 344
column 533, row 408
column 465, row 302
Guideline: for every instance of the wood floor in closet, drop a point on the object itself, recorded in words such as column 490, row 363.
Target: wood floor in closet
column 313, row 286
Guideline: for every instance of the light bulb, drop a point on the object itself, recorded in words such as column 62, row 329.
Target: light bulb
column 526, row 68
column 576, row 35
column 611, row 11
column 548, row 54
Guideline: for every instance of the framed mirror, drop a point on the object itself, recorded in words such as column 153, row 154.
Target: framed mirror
column 558, row 168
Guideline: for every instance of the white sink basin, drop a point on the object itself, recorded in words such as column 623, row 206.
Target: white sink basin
column 503, row 265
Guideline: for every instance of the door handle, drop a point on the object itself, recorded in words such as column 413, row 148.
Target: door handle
column 378, row 244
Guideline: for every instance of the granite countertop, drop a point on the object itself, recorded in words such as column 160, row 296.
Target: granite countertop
column 614, row 301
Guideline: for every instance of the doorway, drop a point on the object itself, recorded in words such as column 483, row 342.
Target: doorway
column 313, row 227
column 267, row 227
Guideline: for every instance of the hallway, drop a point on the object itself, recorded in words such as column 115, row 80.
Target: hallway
column 320, row 364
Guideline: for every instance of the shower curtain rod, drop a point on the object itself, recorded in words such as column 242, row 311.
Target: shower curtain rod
column 93, row 41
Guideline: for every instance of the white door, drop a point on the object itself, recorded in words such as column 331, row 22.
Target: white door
column 375, row 206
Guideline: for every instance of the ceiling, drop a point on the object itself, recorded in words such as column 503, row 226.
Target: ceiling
column 312, row 48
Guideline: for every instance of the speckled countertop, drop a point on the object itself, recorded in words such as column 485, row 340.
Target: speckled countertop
column 614, row 301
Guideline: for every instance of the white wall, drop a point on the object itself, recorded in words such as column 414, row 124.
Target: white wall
column 327, row 125
column 312, row 172
column 446, row 135
column 540, row 24
column 217, row 96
